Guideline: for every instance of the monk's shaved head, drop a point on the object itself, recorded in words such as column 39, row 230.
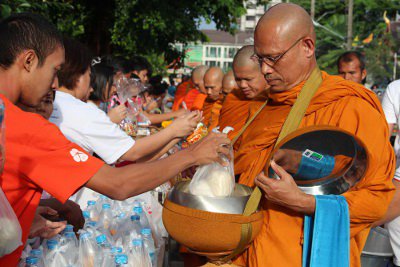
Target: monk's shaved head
column 213, row 82
column 244, row 58
column 248, row 73
column 284, row 41
column 198, row 78
column 228, row 83
column 287, row 21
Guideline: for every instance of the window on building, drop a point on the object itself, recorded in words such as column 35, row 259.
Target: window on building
column 213, row 51
column 211, row 63
column 227, row 66
column 230, row 52
column 250, row 18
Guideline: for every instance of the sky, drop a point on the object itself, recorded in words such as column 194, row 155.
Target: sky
column 205, row 26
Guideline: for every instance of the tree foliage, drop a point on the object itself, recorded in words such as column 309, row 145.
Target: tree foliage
column 367, row 20
column 128, row 27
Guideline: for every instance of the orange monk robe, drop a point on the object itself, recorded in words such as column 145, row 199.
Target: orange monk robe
column 190, row 98
column 199, row 102
column 181, row 92
column 339, row 103
column 211, row 111
column 235, row 111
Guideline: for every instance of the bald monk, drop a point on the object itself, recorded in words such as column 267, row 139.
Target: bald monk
column 213, row 103
column 252, row 88
column 228, row 83
column 198, row 81
column 284, row 41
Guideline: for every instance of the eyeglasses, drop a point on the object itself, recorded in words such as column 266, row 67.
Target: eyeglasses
column 271, row 61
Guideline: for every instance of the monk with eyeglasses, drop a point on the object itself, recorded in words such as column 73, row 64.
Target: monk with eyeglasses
column 284, row 45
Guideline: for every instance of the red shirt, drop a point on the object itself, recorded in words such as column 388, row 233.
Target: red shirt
column 38, row 156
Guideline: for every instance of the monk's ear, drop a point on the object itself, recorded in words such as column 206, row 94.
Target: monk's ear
column 309, row 47
column 363, row 74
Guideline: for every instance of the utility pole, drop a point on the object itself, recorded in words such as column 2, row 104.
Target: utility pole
column 350, row 24
column 312, row 9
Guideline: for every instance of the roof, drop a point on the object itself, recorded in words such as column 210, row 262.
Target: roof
column 221, row 37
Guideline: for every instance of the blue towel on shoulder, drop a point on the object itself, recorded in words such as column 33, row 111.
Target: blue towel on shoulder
column 327, row 234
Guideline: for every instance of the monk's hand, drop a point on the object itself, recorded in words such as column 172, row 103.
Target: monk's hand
column 288, row 159
column 211, row 149
column 284, row 191
column 186, row 124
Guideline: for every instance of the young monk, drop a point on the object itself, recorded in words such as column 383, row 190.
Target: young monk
column 198, row 81
column 213, row 104
column 252, row 89
column 284, row 43
column 228, row 83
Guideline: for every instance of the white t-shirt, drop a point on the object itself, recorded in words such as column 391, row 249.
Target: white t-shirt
column 391, row 107
column 89, row 127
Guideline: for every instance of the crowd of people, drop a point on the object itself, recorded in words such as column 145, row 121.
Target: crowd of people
column 79, row 126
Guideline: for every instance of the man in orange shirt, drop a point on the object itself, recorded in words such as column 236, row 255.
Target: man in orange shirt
column 285, row 48
column 38, row 156
column 252, row 89
column 213, row 104
column 181, row 90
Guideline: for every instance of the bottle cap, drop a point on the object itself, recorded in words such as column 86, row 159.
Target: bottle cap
column 69, row 228
column 146, row 231
column 31, row 260
column 138, row 210
column 86, row 214
column 116, row 250
column 121, row 259
column 69, row 234
column 135, row 218
column 137, row 242
column 91, row 203
column 106, row 206
column 101, row 239
column 36, row 252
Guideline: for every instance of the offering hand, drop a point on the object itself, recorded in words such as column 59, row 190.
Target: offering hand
column 185, row 125
column 211, row 148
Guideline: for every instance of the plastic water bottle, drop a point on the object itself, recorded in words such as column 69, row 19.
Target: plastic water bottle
column 70, row 248
column 102, row 200
column 134, row 229
column 87, row 250
column 38, row 253
column 93, row 212
column 121, row 260
column 54, row 257
column 137, row 255
column 149, row 245
column 106, row 216
column 138, row 210
column 102, row 242
column 117, row 224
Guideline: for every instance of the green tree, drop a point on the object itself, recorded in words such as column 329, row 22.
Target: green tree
column 367, row 19
column 128, row 27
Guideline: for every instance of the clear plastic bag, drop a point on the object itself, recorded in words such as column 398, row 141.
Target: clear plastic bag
column 10, row 229
column 214, row 180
